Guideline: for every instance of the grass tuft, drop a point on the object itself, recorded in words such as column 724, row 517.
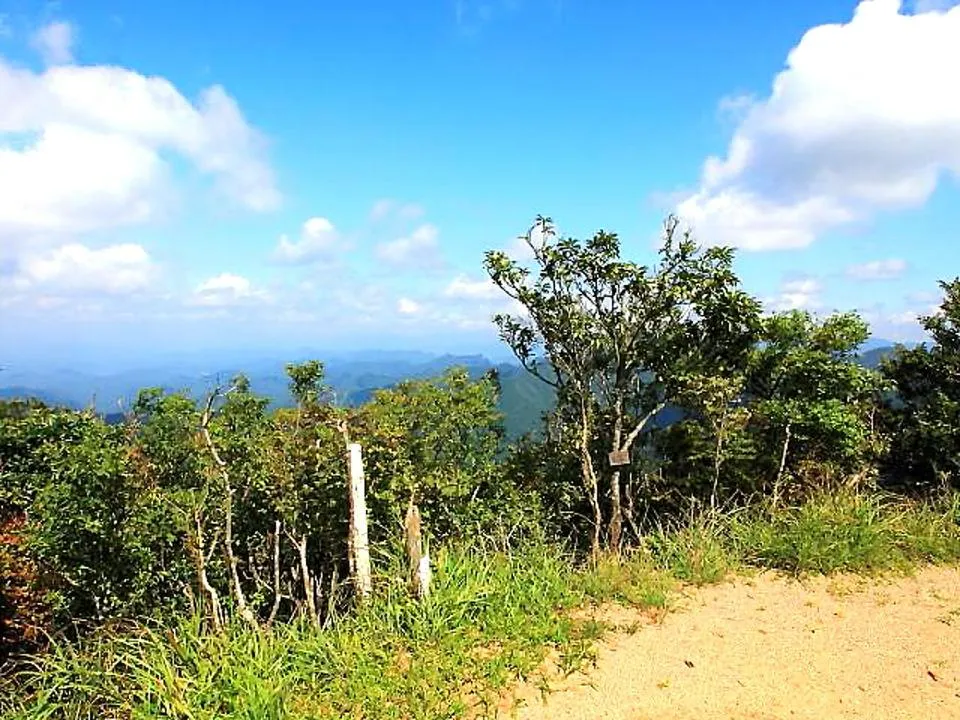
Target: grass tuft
column 698, row 552
column 851, row 532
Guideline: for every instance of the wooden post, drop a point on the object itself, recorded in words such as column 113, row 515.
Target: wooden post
column 418, row 562
column 359, row 543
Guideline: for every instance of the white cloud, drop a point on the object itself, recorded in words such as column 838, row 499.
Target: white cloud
column 418, row 249
column 227, row 290
column 911, row 316
column 54, row 42
column 464, row 288
column 78, row 269
column 318, row 240
column 86, row 147
column 796, row 294
column 878, row 269
column 862, row 120
column 406, row 306
column 72, row 180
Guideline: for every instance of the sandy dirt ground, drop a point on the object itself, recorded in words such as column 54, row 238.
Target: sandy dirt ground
column 768, row 647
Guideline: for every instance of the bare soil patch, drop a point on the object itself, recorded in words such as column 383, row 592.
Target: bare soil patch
column 769, row 647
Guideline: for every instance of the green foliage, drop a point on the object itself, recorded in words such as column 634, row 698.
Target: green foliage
column 306, row 382
column 924, row 413
column 437, row 442
column 849, row 532
column 548, row 470
column 26, row 428
column 228, row 502
column 99, row 535
column 805, row 385
column 800, row 417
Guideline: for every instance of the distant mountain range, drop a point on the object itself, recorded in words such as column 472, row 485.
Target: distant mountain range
column 353, row 376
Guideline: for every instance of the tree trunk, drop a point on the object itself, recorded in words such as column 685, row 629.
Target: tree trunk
column 200, row 562
column 307, row 579
column 239, row 596
column 589, row 477
column 628, row 511
column 221, row 464
column 615, row 528
column 276, row 573
column 783, row 464
column 623, row 444
column 358, row 541
column 717, row 461
column 615, row 525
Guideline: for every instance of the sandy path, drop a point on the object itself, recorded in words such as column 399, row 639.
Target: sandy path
column 769, row 647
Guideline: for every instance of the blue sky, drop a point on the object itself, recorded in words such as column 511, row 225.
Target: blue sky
column 328, row 175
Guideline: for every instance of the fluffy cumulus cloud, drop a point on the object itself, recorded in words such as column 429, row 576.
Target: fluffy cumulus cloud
column 72, row 180
column 227, row 290
column 418, row 249
column 319, row 240
column 75, row 268
column 84, row 147
column 862, row 120
column 878, row 269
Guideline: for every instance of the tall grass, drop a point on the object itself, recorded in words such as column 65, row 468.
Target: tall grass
column 854, row 532
column 492, row 618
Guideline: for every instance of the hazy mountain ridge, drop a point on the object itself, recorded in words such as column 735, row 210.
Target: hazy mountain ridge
column 353, row 376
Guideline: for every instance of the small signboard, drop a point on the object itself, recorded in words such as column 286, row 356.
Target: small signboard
column 619, row 458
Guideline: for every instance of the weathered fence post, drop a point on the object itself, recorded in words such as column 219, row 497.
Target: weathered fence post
column 358, row 539
column 418, row 562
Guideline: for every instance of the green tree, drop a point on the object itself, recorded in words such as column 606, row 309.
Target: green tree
column 923, row 416
column 435, row 443
column 812, row 404
column 620, row 341
column 308, row 472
